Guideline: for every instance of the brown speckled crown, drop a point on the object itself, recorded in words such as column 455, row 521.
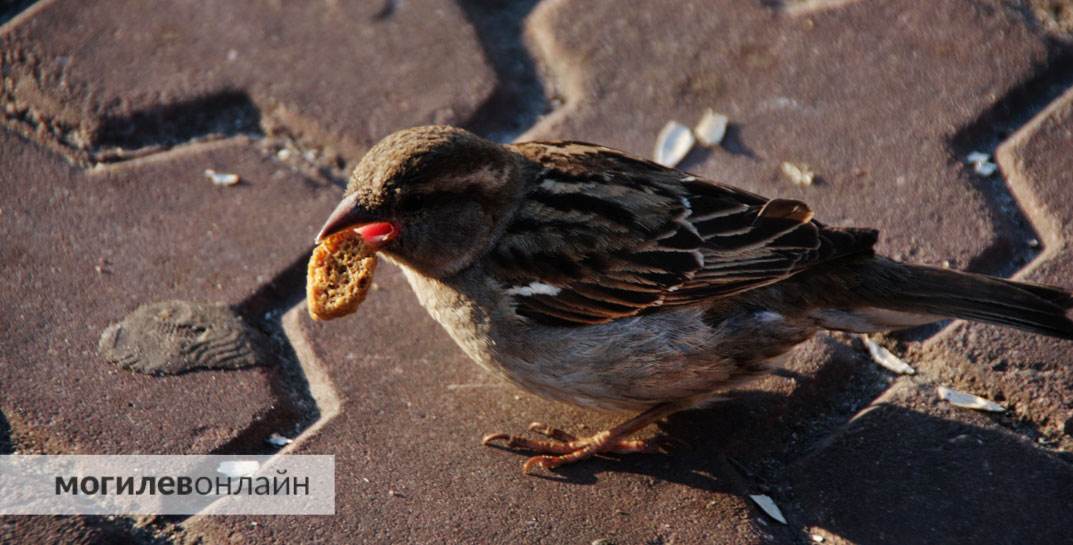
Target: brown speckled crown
column 419, row 154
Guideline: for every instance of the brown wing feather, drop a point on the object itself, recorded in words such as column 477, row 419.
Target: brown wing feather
column 602, row 235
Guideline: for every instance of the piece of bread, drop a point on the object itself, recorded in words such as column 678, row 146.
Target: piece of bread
column 340, row 273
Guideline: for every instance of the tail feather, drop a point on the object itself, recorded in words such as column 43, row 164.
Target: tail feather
column 941, row 292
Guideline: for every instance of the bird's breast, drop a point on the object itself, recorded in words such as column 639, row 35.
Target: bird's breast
column 627, row 364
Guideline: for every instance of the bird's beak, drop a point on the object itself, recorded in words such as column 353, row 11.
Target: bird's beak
column 350, row 215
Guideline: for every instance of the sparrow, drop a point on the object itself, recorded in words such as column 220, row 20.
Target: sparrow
column 588, row 276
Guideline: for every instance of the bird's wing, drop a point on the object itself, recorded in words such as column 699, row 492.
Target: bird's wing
column 601, row 235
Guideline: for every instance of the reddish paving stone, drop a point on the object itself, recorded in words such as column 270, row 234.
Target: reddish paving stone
column 343, row 73
column 849, row 88
column 406, row 430
column 911, row 469
column 410, row 468
column 1030, row 374
column 41, row 530
column 159, row 230
column 869, row 94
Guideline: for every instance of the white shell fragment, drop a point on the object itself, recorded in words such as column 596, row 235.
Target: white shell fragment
column 985, row 169
column 711, row 128
column 673, row 144
column 768, row 506
column 238, row 468
column 221, row 178
column 968, row 401
column 799, row 175
column 278, row 440
column 889, row 361
column 981, row 163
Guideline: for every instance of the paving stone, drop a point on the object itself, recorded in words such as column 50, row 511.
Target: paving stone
column 413, row 407
column 911, row 469
column 875, row 96
column 412, row 470
column 868, row 94
column 66, row 530
column 343, row 74
column 1030, row 374
column 83, row 249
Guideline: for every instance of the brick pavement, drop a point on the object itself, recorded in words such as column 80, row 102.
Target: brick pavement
column 110, row 123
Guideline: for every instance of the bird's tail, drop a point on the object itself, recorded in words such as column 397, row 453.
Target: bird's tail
column 955, row 294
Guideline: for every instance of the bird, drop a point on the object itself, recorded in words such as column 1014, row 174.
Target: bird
column 589, row 276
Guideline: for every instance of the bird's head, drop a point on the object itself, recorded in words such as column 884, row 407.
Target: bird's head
column 429, row 197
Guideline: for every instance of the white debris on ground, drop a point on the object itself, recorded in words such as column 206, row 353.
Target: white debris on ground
column 817, row 538
column 799, row 175
column 985, row 169
column 221, row 178
column 711, row 128
column 884, row 358
column 768, row 506
column 981, row 163
column 278, row 440
column 968, row 401
column 673, row 144
column 238, row 468
column 675, row 140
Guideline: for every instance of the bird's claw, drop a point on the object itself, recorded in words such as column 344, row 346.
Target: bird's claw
column 564, row 448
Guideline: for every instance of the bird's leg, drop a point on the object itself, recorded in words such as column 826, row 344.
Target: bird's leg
column 563, row 448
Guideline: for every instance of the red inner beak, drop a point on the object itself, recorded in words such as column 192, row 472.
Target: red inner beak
column 348, row 214
column 377, row 233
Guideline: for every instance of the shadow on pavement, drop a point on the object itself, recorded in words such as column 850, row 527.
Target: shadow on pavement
column 6, row 446
column 886, row 475
column 902, row 476
column 518, row 100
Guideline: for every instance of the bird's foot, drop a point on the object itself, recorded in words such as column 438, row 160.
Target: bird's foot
column 562, row 448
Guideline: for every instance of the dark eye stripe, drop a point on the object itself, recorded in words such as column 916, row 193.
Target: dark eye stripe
column 411, row 202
